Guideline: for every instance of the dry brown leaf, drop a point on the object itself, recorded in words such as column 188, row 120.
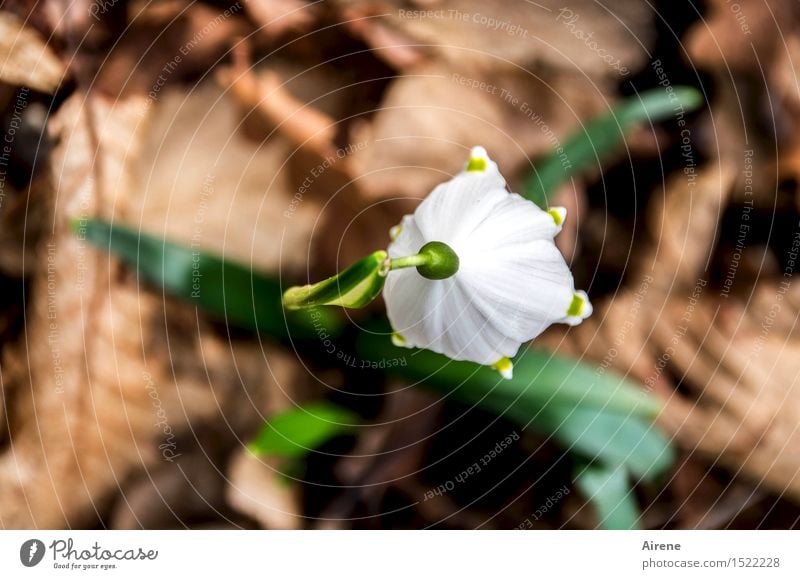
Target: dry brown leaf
column 258, row 490
column 111, row 374
column 230, row 196
column 742, row 36
column 263, row 95
column 585, row 36
column 166, row 44
column 26, row 59
column 748, row 47
column 684, row 225
column 165, row 497
column 428, row 121
column 278, row 17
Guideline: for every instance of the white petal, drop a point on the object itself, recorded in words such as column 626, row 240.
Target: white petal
column 439, row 316
column 466, row 333
column 408, row 241
column 405, row 294
column 454, row 208
column 512, row 221
column 522, row 288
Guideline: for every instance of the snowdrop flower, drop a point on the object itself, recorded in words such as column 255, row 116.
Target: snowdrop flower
column 475, row 271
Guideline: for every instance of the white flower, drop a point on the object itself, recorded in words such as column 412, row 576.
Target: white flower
column 511, row 281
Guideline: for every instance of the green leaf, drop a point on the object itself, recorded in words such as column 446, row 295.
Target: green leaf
column 602, row 137
column 294, row 433
column 354, row 287
column 612, row 437
column 221, row 287
column 594, row 433
column 607, row 488
column 597, row 416
column 538, row 376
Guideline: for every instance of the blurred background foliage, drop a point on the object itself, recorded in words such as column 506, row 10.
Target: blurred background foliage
column 600, row 417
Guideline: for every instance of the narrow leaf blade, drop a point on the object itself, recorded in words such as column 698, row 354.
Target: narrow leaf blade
column 608, row 490
column 538, row 376
column 601, row 417
column 294, row 433
column 221, row 287
column 602, row 137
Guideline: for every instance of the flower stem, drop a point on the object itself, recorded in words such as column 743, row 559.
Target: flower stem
column 409, row 261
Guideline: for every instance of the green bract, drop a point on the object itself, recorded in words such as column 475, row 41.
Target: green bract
column 355, row 287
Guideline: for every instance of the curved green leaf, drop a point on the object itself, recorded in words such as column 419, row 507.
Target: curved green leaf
column 602, row 137
column 597, row 416
column 538, row 376
column 221, row 287
column 294, row 433
column 611, row 437
column 608, row 490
